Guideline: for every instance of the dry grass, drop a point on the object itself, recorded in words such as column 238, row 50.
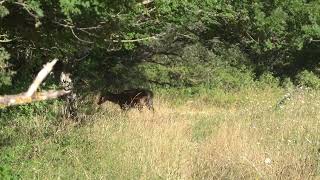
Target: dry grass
column 195, row 140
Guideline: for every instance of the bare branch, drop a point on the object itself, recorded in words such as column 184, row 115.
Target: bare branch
column 87, row 32
column 251, row 37
column 79, row 28
column 89, row 28
column 314, row 40
column 64, row 25
column 74, row 34
column 135, row 40
column 5, row 40
column 40, row 77
column 140, row 39
column 145, row 2
column 24, row 6
column 83, row 29
column 187, row 36
column 71, row 27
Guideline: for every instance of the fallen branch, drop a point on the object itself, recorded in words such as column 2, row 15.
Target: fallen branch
column 40, row 77
column 31, row 95
column 21, row 98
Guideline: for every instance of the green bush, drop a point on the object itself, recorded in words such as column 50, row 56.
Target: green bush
column 30, row 110
column 267, row 79
column 308, row 79
column 231, row 79
column 287, row 83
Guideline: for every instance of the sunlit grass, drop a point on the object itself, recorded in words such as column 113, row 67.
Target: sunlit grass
column 240, row 136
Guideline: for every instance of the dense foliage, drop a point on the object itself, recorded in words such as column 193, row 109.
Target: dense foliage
column 281, row 37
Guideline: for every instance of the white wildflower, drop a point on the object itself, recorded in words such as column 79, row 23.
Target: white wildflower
column 267, row 161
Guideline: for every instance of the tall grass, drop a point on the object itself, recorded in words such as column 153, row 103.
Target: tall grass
column 213, row 136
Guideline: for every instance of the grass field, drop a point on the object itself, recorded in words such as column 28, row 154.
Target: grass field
column 225, row 136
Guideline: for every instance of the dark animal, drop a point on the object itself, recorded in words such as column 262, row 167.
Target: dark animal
column 133, row 98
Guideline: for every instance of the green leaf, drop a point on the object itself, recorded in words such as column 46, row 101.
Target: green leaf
column 3, row 11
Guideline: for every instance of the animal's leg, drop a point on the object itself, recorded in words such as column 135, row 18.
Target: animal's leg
column 123, row 107
column 139, row 106
column 149, row 104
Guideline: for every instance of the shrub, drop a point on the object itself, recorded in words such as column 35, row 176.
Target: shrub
column 231, row 79
column 268, row 80
column 287, row 83
column 308, row 79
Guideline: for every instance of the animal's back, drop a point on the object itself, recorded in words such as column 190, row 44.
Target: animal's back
column 139, row 97
column 134, row 93
column 130, row 98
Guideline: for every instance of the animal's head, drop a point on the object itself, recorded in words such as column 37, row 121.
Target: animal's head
column 101, row 100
